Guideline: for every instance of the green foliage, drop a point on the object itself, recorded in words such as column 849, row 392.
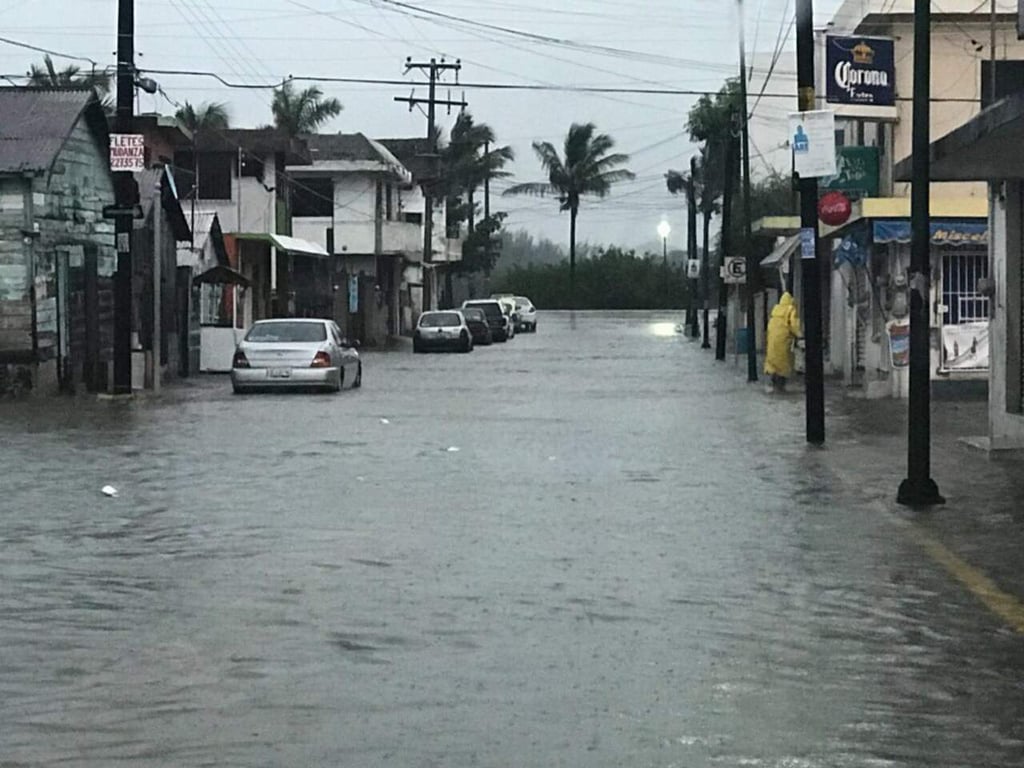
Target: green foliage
column 208, row 116
column 72, row 76
column 296, row 112
column 482, row 246
column 611, row 279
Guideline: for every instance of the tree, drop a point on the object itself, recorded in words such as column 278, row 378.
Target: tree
column 296, row 112
column 209, row 116
column 71, row 76
column 585, row 168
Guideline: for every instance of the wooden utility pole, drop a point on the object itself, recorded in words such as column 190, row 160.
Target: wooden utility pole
column 747, row 233
column 433, row 69
column 814, row 375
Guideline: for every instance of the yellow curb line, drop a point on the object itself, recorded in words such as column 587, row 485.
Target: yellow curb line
column 1004, row 605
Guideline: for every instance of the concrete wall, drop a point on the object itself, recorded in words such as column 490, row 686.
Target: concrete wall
column 1005, row 420
column 355, row 201
column 258, row 203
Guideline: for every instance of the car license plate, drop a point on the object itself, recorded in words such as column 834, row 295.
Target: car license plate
column 280, row 373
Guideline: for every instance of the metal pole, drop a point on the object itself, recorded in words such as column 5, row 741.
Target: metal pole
column 691, row 244
column 124, row 186
column 992, row 98
column 811, row 268
column 158, row 211
column 664, row 251
column 704, row 278
column 918, row 489
column 747, row 234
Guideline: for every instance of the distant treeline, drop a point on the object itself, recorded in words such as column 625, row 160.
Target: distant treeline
column 609, row 279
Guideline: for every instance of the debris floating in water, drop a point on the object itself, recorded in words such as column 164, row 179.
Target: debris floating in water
column 453, row 449
column 552, row 458
column 384, row 421
column 361, row 479
column 108, row 490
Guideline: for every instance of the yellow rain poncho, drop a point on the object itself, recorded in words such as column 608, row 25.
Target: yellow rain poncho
column 783, row 330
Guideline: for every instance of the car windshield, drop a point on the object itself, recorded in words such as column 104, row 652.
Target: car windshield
column 491, row 309
column 269, row 333
column 440, row 320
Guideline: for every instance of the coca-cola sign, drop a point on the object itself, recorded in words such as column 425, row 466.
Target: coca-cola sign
column 860, row 70
column 834, row 209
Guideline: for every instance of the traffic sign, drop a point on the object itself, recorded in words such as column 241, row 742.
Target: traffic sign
column 734, row 270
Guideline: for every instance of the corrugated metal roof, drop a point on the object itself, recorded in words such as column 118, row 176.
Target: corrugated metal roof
column 34, row 123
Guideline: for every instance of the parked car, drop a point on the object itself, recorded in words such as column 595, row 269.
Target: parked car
column 527, row 314
column 497, row 320
column 295, row 354
column 476, row 320
column 442, row 330
column 508, row 306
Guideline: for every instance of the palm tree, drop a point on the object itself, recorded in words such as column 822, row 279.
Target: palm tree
column 72, row 76
column 586, row 168
column 297, row 112
column 209, row 116
column 468, row 161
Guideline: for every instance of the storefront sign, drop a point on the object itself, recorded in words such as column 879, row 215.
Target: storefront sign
column 813, row 140
column 856, row 172
column 834, row 208
column 965, row 347
column 127, row 152
column 353, row 293
column 860, row 70
column 947, row 233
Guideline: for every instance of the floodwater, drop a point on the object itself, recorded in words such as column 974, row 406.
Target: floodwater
column 631, row 559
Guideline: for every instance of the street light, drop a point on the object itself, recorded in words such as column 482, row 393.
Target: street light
column 663, row 231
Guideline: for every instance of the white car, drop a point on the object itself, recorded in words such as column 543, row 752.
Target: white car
column 445, row 329
column 295, row 353
column 527, row 314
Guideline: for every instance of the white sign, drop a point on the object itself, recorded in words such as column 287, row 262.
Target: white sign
column 693, row 269
column 812, row 136
column 734, row 270
column 807, row 243
column 127, row 152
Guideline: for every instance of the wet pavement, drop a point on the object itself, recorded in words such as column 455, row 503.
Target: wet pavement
column 631, row 559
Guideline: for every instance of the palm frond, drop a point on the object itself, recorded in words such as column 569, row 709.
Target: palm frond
column 535, row 188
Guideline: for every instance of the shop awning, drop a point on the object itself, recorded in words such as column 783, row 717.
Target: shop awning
column 782, row 252
column 287, row 244
column 947, row 233
column 221, row 274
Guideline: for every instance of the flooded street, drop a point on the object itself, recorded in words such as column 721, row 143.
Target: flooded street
column 630, row 559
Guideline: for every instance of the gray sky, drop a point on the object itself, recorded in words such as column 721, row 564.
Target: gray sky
column 684, row 45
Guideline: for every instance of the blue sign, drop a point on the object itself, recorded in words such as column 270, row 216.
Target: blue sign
column 948, row 233
column 807, row 243
column 860, row 70
column 353, row 293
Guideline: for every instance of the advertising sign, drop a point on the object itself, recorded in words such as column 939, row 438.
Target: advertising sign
column 856, row 172
column 127, row 152
column 813, row 140
column 899, row 344
column 860, row 70
column 834, row 208
column 353, row 294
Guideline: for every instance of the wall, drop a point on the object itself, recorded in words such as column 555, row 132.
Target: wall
column 258, row 203
column 355, row 200
column 1006, row 429
column 15, row 283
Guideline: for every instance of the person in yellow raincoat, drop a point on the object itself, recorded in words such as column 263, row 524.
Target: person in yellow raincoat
column 783, row 331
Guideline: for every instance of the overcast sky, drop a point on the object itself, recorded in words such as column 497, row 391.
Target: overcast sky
column 684, row 44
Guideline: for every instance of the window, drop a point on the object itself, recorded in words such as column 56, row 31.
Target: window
column 288, row 332
column 252, row 166
column 313, row 197
column 215, row 176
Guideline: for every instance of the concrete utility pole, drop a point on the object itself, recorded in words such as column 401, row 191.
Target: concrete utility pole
column 814, row 375
column 747, row 234
column 691, row 243
column 125, row 192
column 433, row 69
column 918, row 489
column 721, row 321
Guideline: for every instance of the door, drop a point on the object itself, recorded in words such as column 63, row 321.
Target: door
column 65, row 378
column 964, row 311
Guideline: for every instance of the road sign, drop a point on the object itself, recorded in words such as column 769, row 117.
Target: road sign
column 127, row 152
column 693, row 268
column 735, row 270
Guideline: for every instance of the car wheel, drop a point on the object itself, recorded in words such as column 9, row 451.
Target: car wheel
column 416, row 347
column 465, row 346
column 237, row 389
column 357, row 382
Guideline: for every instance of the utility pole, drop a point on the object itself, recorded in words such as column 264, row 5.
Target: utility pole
column 125, row 192
column 433, row 69
column 918, row 489
column 691, row 242
column 814, row 375
column 747, row 234
column 721, row 321
column 487, row 205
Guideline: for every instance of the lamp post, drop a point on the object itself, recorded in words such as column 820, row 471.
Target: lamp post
column 664, row 228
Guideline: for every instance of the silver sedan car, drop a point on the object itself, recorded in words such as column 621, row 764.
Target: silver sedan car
column 295, row 354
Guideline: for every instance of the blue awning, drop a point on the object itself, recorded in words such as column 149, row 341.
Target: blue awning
column 948, row 233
